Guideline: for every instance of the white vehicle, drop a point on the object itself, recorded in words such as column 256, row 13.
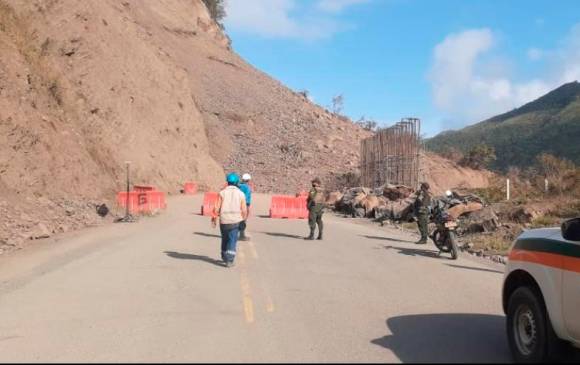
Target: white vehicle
column 541, row 293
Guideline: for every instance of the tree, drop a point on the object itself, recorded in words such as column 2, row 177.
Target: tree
column 556, row 170
column 479, row 157
column 216, row 10
column 337, row 104
column 367, row 124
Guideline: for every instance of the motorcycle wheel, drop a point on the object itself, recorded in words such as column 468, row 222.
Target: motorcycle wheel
column 439, row 241
column 453, row 244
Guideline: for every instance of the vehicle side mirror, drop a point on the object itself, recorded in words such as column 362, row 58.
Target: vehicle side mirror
column 571, row 229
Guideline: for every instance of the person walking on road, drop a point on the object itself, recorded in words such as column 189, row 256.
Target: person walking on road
column 422, row 207
column 231, row 210
column 247, row 190
column 315, row 205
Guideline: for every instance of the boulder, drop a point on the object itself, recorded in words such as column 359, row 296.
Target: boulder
column 40, row 231
column 396, row 192
column 333, row 198
column 464, row 208
column 370, row 203
column 358, row 213
column 483, row 220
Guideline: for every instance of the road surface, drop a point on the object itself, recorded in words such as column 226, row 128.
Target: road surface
column 155, row 291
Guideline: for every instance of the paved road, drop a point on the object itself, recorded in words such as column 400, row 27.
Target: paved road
column 155, row 291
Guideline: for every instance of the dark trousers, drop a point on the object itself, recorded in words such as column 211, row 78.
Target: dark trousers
column 243, row 225
column 315, row 218
column 229, row 241
column 423, row 225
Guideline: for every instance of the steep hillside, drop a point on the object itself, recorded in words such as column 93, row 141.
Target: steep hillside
column 87, row 85
column 443, row 174
column 549, row 124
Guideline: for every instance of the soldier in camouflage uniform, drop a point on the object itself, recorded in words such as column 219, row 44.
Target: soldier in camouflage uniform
column 315, row 204
column 422, row 205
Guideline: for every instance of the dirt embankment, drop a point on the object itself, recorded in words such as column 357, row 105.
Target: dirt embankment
column 443, row 174
column 88, row 85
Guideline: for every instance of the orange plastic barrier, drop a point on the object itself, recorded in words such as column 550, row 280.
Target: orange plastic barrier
column 284, row 206
column 142, row 202
column 209, row 201
column 190, row 188
column 301, row 210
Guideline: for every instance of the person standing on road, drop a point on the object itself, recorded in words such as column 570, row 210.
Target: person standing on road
column 422, row 207
column 247, row 190
column 231, row 210
column 315, row 205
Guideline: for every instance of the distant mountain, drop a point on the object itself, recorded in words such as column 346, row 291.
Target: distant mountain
column 549, row 124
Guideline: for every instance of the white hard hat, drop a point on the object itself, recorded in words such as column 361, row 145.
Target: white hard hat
column 246, row 177
column 448, row 193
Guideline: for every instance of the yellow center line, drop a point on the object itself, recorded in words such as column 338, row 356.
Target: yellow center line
column 270, row 308
column 253, row 250
column 245, row 286
column 269, row 304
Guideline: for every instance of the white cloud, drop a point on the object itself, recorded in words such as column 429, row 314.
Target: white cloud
column 466, row 91
column 568, row 57
column 287, row 18
column 452, row 71
column 535, row 54
column 336, row 6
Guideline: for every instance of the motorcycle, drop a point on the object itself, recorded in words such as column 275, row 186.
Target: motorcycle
column 444, row 236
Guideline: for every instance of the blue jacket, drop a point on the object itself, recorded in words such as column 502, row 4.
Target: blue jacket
column 245, row 188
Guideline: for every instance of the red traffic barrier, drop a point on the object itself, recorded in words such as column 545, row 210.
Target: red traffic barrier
column 300, row 206
column 190, row 188
column 209, row 201
column 284, row 206
column 142, row 202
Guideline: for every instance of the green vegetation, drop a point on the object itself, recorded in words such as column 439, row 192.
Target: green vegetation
column 545, row 221
column 550, row 124
column 367, row 124
column 216, row 10
column 479, row 157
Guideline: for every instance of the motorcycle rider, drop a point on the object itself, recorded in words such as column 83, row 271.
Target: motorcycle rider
column 422, row 208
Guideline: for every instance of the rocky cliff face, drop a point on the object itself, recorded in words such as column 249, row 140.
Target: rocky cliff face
column 88, row 85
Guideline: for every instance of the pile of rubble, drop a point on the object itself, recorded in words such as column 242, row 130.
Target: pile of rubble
column 397, row 202
column 393, row 202
column 20, row 225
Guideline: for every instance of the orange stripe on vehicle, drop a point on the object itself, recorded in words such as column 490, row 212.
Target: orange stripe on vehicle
column 536, row 257
column 572, row 264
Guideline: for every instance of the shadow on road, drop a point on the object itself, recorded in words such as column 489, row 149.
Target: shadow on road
column 447, row 338
column 207, row 234
column 385, row 239
column 414, row 251
column 275, row 234
column 263, row 216
column 187, row 256
column 475, row 268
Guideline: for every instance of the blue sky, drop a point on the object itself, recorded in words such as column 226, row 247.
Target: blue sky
column 449, row 62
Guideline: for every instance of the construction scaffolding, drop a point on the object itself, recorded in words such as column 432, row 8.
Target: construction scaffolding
column 392, row 155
